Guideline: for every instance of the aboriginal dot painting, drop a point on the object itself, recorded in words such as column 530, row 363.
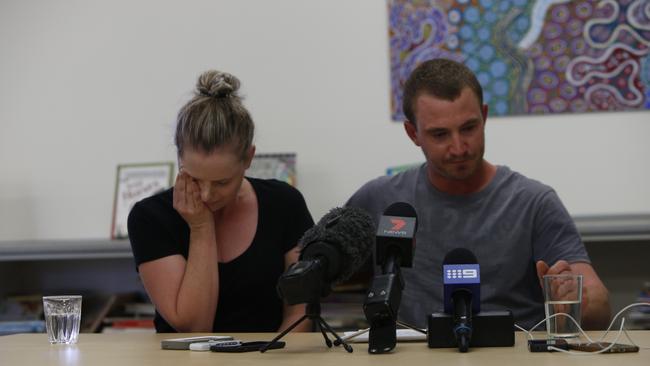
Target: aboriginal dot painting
column 531, row 57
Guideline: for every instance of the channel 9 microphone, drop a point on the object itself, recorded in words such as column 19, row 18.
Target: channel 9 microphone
column 462, row 293
column 394, row 249
column 330, row 253
column 463, row 323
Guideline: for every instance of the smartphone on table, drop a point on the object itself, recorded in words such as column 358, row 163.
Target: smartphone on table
column 599, row 346
column 184, row 343
column 245, row 346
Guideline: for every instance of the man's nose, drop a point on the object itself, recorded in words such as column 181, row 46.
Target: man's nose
column 458, row 146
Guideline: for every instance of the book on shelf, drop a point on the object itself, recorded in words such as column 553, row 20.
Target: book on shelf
column 121, row 324
column 133, row 314
column 22, row 307
column 94, row 308
column 21, row 314
column 24, row 313
column 140, row 309
column 22, row 326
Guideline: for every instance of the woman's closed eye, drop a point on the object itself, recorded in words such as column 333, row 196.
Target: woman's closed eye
column 223, row 182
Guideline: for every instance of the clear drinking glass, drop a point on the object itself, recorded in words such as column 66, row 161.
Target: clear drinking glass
column 62, row 318
column 562, row 294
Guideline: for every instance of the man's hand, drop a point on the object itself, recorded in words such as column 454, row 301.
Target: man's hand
column 562, row 267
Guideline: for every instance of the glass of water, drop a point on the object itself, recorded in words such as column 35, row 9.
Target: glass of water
column 62, row 318
column 562, row 294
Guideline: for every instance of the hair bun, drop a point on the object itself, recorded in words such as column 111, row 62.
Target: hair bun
column 217, row 84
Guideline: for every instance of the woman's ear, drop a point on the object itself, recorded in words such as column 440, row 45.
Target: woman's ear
column 250, row 154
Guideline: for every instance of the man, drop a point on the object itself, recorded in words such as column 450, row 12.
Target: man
column 517, row 227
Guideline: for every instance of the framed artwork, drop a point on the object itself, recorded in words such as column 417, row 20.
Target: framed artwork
column 280, row 166
column 135, row 182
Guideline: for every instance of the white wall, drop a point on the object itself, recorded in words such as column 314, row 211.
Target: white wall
column 87, row 85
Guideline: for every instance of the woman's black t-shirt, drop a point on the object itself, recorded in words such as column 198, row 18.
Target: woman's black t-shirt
column 248, row 300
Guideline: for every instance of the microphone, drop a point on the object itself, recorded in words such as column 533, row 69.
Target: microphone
column 394, row 249
column 396, row 237
column 462, row 292
column 330, row 253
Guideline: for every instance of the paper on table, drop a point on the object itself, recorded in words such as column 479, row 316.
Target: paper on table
column 402, row 335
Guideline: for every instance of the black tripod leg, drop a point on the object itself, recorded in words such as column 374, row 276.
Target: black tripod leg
column 323, row 324
column 263, row 349
column 322, row 331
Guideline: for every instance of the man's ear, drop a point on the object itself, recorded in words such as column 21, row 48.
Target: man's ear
column 484, row 111
column 250, row 154
column 411, row 131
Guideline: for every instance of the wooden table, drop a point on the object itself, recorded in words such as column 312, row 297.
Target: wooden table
column 302, row 349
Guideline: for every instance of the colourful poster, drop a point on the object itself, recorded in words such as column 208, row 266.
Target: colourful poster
column 531, row 57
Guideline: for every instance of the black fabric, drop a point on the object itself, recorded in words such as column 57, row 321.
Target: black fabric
column 248, row 301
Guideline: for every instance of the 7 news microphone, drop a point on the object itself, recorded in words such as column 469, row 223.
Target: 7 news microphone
column 394, row 249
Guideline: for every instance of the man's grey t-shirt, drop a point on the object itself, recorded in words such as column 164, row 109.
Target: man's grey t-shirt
column 509, row 225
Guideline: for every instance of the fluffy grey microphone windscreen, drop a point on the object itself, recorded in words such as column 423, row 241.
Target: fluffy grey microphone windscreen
column 351, row 230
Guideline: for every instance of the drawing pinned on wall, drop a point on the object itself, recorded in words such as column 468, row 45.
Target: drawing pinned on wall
column 393, row 170
column 531, row 57
column 135, row 182
column 280, row 166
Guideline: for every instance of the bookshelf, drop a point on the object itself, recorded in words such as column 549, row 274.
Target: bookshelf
column 621, row 228
column 619, row 246
column 101, row 270
column 23, row 250
column 602, row 228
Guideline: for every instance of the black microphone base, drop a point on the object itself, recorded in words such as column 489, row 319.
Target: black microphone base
column 490, row 329
column 383, row 336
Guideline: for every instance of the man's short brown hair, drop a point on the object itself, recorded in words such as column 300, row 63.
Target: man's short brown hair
column 442, row 78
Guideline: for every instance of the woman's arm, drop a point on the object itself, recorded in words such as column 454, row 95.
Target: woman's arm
column 185, row 292
column 294, row 312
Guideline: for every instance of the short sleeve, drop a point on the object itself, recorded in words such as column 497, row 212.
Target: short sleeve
column 300, row 220
column 369, row 199
column 149, row 236
column 555, row 236
column 359, row 198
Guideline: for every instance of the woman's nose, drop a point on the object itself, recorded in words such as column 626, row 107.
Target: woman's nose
column 206, row 192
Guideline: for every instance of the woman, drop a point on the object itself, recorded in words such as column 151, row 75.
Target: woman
column 210, row 250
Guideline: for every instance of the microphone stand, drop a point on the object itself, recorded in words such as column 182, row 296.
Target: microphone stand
column 382, row 304
column 312, row 313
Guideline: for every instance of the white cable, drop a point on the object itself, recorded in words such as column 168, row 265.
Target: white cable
column 556, row 315
column 602, row 338
column 612, row 344
column 530, row 336
column 619, row 313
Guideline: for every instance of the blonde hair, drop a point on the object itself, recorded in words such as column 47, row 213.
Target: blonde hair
column 214, row 117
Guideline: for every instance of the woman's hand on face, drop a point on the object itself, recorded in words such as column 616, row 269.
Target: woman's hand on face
column 188, row 203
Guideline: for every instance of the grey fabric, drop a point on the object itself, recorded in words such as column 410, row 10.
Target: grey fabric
column 509, row 225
